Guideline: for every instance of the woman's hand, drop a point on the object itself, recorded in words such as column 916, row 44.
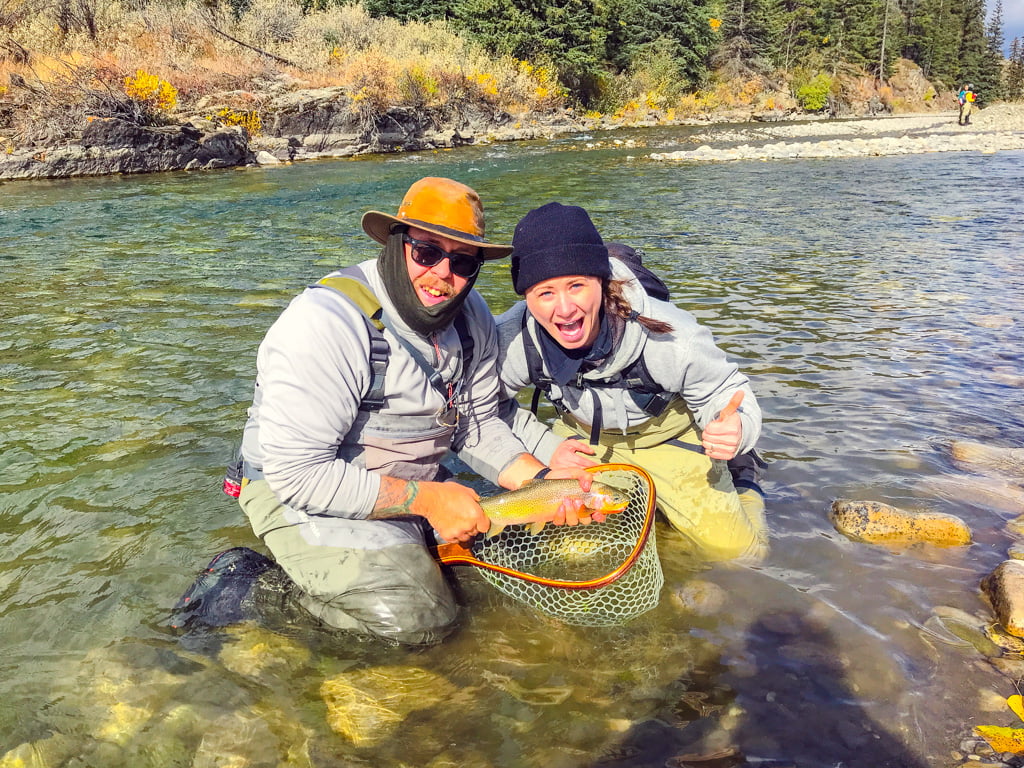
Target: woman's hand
column 571, row 511
column 721, row 438
column 572, row 454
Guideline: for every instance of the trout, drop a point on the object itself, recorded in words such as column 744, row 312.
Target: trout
column 537, row 502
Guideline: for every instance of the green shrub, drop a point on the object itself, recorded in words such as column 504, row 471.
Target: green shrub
column 812, row 93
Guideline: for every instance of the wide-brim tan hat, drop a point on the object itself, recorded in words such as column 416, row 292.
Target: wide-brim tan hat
column 441, row 206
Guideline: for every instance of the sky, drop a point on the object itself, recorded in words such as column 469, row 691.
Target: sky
column 1013, row 20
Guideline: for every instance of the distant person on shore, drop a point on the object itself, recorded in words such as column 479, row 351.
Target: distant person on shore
column 966, row 97
column 634, row 379
column 363, row 384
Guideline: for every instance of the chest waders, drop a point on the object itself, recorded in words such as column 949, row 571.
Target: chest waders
column 406, row 446
column 718, row 506
column 649, row 397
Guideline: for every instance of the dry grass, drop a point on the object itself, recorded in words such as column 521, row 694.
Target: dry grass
column 62, row 61
column 80, row 51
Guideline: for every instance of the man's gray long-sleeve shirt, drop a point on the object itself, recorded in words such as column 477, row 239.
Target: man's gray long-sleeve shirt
column 313, row 369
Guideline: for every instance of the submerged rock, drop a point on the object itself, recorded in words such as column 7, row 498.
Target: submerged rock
column 699, row 597
column 368, row 705
column 49, row 752
column 977, row 491
column 1004, row 588
column 262, row 655
column 956, row 627
column 989, row 459
column 260, row 737
column 878, row 523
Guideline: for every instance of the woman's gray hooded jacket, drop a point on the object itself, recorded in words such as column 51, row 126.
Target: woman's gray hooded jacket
column 686, row 362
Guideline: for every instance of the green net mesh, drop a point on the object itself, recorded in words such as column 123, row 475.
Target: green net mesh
column 582, row 554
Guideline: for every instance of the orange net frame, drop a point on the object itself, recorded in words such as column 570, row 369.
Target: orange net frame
column 600, row 574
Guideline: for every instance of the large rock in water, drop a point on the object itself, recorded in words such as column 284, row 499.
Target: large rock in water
column 879, row 523
column 1004, row 588
column 989, row 459
column 111, row 145
column 368, row 705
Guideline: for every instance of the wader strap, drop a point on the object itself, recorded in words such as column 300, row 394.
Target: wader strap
column 352, row 286
column 358, row 292
column 373, row 400
column 595, row 428
column 433, row 375
column 467, row 341
column 687, row 446
column 535, row 366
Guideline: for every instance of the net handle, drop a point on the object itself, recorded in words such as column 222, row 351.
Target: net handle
column 456, row 553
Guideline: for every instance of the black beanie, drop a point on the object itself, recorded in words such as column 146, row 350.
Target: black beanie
column 556, row 240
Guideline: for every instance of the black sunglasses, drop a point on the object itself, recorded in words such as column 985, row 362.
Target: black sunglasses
column 429, row 255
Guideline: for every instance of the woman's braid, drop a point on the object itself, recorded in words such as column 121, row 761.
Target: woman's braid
column 616, row 303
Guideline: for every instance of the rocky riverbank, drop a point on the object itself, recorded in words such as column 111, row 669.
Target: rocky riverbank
column 316, row 125
column 999, row 127
column 299, row 125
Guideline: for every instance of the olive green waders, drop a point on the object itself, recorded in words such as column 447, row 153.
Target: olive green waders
column 694, row 492
column 368, row 576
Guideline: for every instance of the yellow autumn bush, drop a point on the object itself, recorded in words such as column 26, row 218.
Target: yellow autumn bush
column 250, row 119
column 151, row 90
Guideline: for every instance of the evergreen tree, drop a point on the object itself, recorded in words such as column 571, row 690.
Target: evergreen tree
column 675, row 42
column 752, row 32
column 680, row 28
column 993, row 64
column 851, row 33
column 567, row 33
column 933, row 35
column 892, row 38
column 977, row 64
column 409, row 10
column 800, row 36
column 623, row 20
column 1014, row 80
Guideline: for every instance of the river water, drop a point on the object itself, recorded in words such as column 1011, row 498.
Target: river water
column 876, row 303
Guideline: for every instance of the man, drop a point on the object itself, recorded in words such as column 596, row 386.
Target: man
column 349, row 424
column 966, row 97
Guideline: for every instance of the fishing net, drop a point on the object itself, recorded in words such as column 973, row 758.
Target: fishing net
column 600, row 574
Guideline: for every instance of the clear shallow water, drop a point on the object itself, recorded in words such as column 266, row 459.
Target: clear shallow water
column 878, row 305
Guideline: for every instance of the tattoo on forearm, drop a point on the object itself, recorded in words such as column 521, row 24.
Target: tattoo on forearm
column 396, row 499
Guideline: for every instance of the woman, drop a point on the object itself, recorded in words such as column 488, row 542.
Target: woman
column 634, row 379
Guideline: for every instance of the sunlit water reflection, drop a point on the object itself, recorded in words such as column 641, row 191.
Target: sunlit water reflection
column 878, row 305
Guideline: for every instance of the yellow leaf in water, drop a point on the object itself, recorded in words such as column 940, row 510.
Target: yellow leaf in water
column 1016, row 704
column 1002, row 739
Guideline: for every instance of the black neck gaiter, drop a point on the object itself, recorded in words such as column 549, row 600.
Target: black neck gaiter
column 424, row 320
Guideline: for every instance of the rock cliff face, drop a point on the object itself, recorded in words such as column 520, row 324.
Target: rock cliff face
column 324, row 122
column 110, row 146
